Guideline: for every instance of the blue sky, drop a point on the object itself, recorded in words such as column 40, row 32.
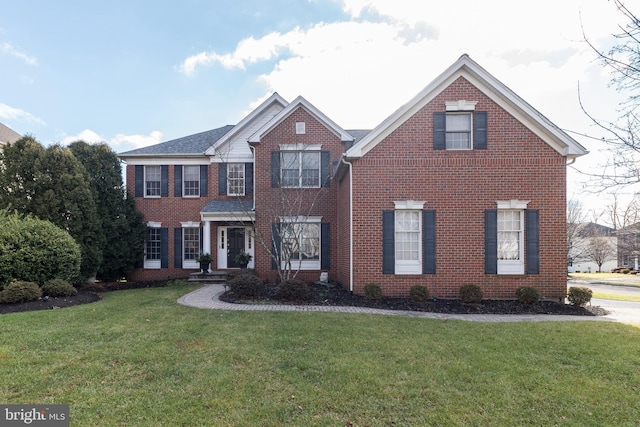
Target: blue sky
column 134, row 73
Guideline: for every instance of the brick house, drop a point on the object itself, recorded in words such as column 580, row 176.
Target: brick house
column 466, row 183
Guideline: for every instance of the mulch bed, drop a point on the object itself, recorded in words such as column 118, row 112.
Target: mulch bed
column 329, row 295
column 336, row 295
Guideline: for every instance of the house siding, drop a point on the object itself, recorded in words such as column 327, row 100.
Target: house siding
column 460, row 186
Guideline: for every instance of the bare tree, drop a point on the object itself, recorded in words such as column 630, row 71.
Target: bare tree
column 575, row 219
column 623, row 139
column 620, row 215
column 599, row 249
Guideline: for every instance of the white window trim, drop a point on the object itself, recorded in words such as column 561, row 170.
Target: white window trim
column 303, row 151
column 461, row 105
column 152, row 264
column 403, row 267
column 514, row 266
column 145, row 182
column 304, row 265
column 300, row 147
column 189, row 264
column 184, row 182
column 244, row 180
column 471, row 141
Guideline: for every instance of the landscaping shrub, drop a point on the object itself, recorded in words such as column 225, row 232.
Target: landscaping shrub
column 419, row 293
column 527, row 295
column 246, row 286
column 373, row 291
column 293, row 290
column 470, row 294
column 58, row 288
column 579, row 295
column 20, row 291
column 35, row 250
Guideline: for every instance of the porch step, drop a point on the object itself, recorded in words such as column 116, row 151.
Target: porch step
column 212, row 277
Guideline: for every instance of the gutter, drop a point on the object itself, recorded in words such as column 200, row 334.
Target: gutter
column 350, row 222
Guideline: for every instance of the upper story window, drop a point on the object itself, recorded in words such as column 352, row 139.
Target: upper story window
column 300, row 169
column 458, row 131
column 152, row 177
column 460, row 127
column 191, row 181
column 235, row 179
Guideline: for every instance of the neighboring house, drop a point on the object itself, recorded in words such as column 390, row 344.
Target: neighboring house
column 594, row 243
column 629, row 246
column 466, row 183
column 8, row 135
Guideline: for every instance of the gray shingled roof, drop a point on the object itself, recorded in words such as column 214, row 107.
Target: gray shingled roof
column 8, row 135
column 238, row 206
column 193, row 144
column 357, row 134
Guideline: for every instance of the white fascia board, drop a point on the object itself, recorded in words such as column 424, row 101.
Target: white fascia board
column 227, row 216
column 301, row 102
column 168, row 160
column 275, row 98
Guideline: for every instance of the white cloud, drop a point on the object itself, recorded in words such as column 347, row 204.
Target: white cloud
column 10, row 113
column 8, row 49
column 118, row 143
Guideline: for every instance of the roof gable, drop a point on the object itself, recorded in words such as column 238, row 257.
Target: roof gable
column 495, row 90
column 8, row 135
column 300, row 102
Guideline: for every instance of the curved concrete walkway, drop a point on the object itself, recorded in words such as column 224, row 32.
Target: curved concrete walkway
column 208, row 297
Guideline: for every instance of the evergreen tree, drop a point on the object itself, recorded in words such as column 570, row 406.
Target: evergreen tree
column 122, row 225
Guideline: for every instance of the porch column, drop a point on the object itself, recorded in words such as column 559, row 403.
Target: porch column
column 206, row 232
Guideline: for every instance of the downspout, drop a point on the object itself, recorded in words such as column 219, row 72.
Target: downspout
column 253, row 151
column 350, row 223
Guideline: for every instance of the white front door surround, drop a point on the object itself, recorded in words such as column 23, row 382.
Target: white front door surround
column 223, row 241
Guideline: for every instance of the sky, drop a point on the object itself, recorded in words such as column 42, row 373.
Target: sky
column 135, row 73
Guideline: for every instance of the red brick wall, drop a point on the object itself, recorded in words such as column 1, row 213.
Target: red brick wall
column 320, row 202
column 460, row 185
column 171, row 211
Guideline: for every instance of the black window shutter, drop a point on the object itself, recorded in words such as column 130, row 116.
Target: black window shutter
column 222, row 179
column 164, row 247
column 275, row 169
column 164, row 181
column 439, row 131
column 325, row 245
column 325, row 164
column 275, row 248
column 388, row 243
column 204, row 180
column 248, row 178
column 139, row 178
column 201, row 238
column 177, row 181
column 428, row 242
column 491, row 241
column 532, row 241
column 177, row 247
column 480, row 130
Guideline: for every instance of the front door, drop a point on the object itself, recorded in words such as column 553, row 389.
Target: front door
column 235, row 245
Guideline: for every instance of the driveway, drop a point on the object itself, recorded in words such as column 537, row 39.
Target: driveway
column 621, row 311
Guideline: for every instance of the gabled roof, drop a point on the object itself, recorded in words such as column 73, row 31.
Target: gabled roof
column 273, row 99
column 591, row 229
column 467, row 68
column 192, row 145
column 300, row 102
column 8, row 135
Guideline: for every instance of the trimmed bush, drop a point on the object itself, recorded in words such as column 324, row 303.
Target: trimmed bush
column 419, row 293
column 35, row 250
column 58, row 288
column 293, row 290
column 470, row 294
column 527, row 295
column 246, row 286
column 579, row 295
column 373, row 291
column 20, row 291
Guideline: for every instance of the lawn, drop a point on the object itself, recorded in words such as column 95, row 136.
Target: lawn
column 609, row 278
column 139, row 359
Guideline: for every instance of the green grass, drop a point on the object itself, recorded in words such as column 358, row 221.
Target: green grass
column 139, row 359
column 617, row 297
column 609, row 278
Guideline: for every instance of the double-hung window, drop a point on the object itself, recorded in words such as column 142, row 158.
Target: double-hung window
column 191, row 181
column 300, row 169
column 408, row 241
column 458, row 131
column 152, row 176
column 510, row 241
column 301, row 245
column 152, row 252
column 235, row 179
column 191, row 246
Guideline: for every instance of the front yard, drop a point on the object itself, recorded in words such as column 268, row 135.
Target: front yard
column 138, row 358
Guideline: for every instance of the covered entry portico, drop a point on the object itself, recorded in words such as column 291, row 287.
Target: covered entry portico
column 233, row 230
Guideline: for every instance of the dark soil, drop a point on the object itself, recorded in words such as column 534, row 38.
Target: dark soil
column 321, row 294
column 336, row 295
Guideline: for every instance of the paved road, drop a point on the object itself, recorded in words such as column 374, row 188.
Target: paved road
column 621, row 311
